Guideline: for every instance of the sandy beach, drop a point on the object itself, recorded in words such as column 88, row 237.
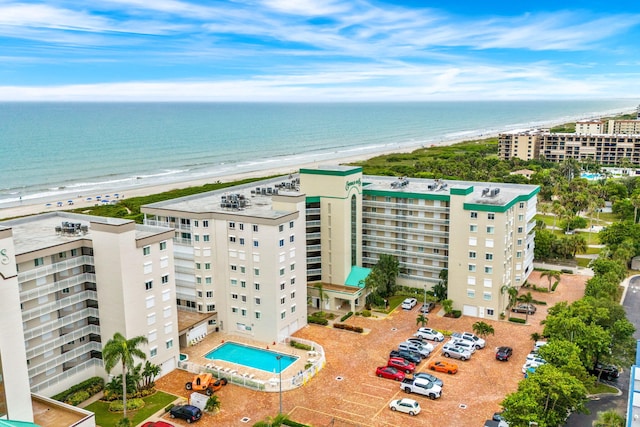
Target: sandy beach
column 55, row 203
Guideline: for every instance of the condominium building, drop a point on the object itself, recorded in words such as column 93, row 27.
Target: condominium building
column 353, row 219
column 588, row 127
column 240, row 258
column 605, row 149
column 78, row 280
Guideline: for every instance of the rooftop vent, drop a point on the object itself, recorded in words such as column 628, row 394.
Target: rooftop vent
column 71, row 229
column 234, row 201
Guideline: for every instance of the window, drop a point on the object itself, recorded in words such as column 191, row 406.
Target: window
column 207, row 280
column 207, row 266
column 198, row 279
column 198, row 266
column 472, row 254
column 488, row 282
column 242, row 241
column 38, row 262
column 167, row 312
column 473, row 228
column 257, row 300
column 283, row 314
column 292, row 238
column 488, row 243
column 234, row 310
column 255, row 228
column 232, row 225
column 491, row 216
column 519, row 242
column 243, row 312
column 489, row 311
column 293, row 280
column 256, row 271
column 148, row 285
column 520, row 229
column 473, row 241
column 282, row 271
column 196, row 237
column 150, row 301
column 74, row 252
column 146, row 250
column 519, row 254
column 168, row 328
column 153, row 335
column 153, row 352
column 242, row 269
column 488, row 270
column 166, row 295
column 151, row 319
column 64, row 291
column 164, row 279
column 471, row 280
column 281, row 243
column 209, row 294
column 196, row 223
column 163, row 246
column 255, row 244
column 281, row 227
column 210, row 308
column 256, row 286
column 241, row 226
column 290, row 224
column 486, row 296
column 282, row 300
column 232, row 239
column 472, row 267
column 243, row 283
column 169, row 343
column 520, row 217
column 474, row 215
column 471, row 293
column 292, row 267
column 282, row 286
column 257, row 314
column 293, row 308
column 488, row 256
column 490, row 229
column 205, row 223
column 234, row 267
column 521, row 205
column 293, row 295
column 243, row 298
column 234, row 296
column 206, row 238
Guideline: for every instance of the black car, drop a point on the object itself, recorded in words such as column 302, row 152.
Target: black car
column 411, row 356
column 189, row 413
column 503, row 353
column 602, row 370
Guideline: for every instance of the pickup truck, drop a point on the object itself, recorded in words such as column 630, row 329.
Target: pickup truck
column 421, row 386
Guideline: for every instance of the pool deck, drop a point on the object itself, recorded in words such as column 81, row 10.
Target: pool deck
column 213, row 340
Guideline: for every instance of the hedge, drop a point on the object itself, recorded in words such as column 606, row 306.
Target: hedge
column 346, row 316
column 300, row 346
column 555, row 285
column 517, row 320
column 317, row 320
column 91, row 386
column 348, row 327
column 132, row 404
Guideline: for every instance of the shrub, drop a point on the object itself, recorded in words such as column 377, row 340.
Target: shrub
column 366, row 313
column 92, row 386
column 300, row 346
column 168, row 407
column 456, row 313
column 517, row 320
column 346, row 316
column 77, row 398
column 132, row 404
column 358, row 329
column 290, row 423
column 555, row 285
column 338, row 325
column 317, row 320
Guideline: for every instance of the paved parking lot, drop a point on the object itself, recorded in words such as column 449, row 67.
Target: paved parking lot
column 347, row 392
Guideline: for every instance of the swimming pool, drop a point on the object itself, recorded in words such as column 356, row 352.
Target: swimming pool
column 590, row 176
column 252, row 357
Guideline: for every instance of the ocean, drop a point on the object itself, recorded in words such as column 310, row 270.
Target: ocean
column 64, row 150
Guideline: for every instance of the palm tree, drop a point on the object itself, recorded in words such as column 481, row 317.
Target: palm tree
column 550, row 275
column 635, row 201
column 483, row 329
column 276, row 421
column 321, row 294
column 512, row 292
column 213, row 404
column 527, row 299
column 120, row 349
column 609, row 418
column 149, row 374
column 422, row 319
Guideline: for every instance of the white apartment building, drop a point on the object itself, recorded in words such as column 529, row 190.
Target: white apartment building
column 80, row 279
column 240, row 258
column 519, row 144
column 588, row 127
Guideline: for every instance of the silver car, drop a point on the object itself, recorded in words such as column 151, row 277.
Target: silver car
column 455, row 352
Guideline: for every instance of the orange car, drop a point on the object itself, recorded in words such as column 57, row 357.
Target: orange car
column 443, row 366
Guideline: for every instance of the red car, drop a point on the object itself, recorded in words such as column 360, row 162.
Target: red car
column 389, row 372
column 401, row 364
column 156, row 424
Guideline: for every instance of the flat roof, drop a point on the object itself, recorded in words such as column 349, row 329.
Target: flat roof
column 257, row 203
column 51, row 413
column 37, row 232
column 189, row 319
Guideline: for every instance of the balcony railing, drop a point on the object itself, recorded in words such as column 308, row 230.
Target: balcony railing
column 85, row 313
column 404, row 206
column 62, row 340
column 91, row 363
column 64, row 357
column 411, row 219
column 43, row 290
column 59, row 304
column 57, row 267
column 399, row 229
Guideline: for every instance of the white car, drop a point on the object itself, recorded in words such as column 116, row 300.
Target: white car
column 417, row 340
column 477, row 341
column 409, row 303
column 467, row 345
column 450, row 350
column 418, row 348
column 408, row 406
column 429, row 334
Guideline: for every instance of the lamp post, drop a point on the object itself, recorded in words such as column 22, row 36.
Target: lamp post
column 279, row 357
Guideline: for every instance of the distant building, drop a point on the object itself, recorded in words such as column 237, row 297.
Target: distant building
column 588, row 127
column 527, row 173
column 519, row 144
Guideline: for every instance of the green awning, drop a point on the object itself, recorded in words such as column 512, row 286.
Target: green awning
column 357, row 276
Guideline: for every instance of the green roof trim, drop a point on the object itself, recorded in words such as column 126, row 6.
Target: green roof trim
column 332, row 172
column 406, row 195
column 11, row 423
column 356, row 276
column 462, row 191
column 313, row 199
column 500, row 208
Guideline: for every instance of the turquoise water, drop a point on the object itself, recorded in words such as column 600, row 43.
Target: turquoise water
column 590, row 176
column 61, row 151
column 252, row 357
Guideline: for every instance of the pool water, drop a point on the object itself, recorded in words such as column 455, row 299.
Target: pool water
column 252, row 357
column 591, row 176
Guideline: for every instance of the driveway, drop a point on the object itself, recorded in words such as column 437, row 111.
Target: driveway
column 346, row 391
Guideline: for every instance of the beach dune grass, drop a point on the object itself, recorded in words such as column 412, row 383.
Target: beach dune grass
column 153, row 404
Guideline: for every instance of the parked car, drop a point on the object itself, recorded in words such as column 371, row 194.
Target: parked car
column 465, row 344
column 390, row 372
column 532, row 364
column 602, row 370
column 189, row 413
column 429, row 334
column 524, row 308
column 477, row 341
column 503, row 353
column 456, row 353
column 408, row 406
column 421, row 386
column 443, row 366
column 422, row 342
column 427, row 376
column 401, row 364
column 156, row 424
column 411, row 356
column 427, row 307
column 415, row 347
column 409, row 303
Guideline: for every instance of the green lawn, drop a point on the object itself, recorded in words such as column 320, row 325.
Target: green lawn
column 152, row 405
column 583, row 262
column 602, row 388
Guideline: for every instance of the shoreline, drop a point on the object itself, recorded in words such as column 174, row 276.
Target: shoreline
column 71, row 200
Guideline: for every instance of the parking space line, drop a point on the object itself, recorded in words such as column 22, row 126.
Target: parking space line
column 359, row 403
column 371, row 395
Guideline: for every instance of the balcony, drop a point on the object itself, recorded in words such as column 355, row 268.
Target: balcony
column 404, row 206
column 89, row 364
column 59, row 304
column 62, row 340
column 57, row 267
column 43, row 290
column 65, row 357
column 86, row 313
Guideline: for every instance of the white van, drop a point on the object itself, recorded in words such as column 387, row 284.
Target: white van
column 411, row 346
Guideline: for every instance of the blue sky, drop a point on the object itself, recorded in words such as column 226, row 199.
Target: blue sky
column 317, row 50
